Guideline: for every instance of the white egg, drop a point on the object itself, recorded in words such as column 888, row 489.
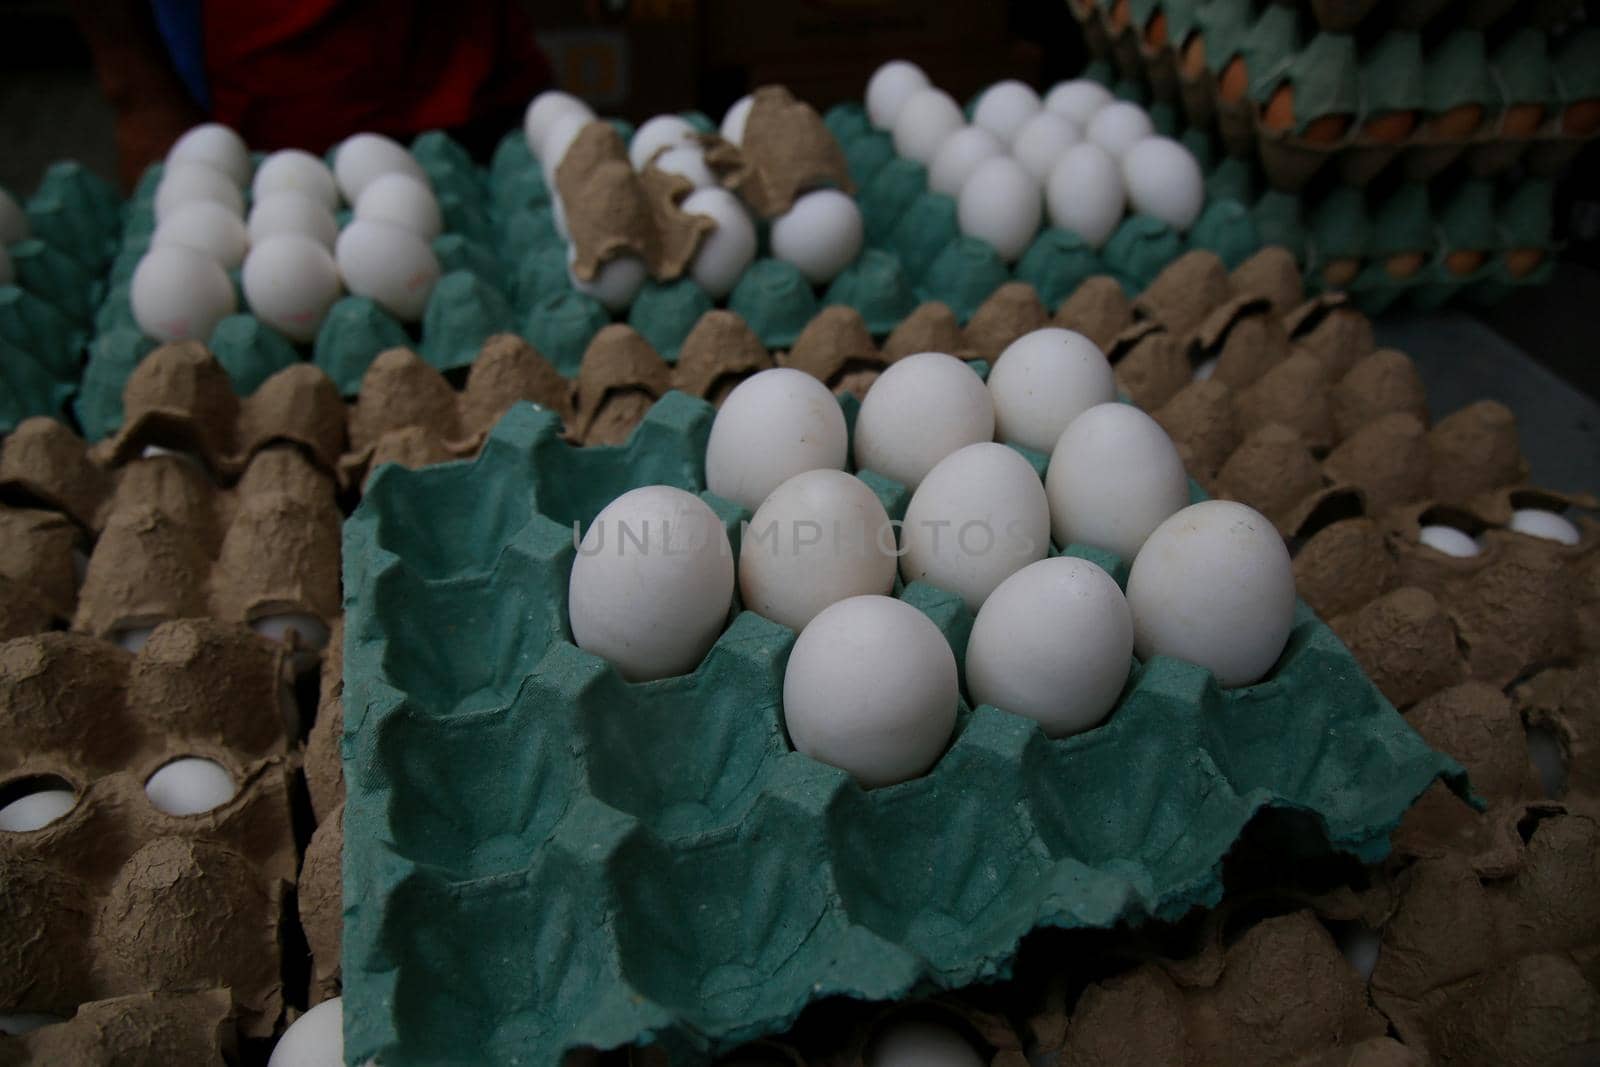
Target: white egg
column 214, row 145
column 652, row 583
column 687, row 161
column 727, row 250
column 290, row 282
column 363, row 157
column 190, row 786
column 615, row 284
column 316, row 1039
column 890, row 86
column 1205, row 369
column 1040, row 142
column 1164, row 181
column 184, row 183
column 916, row 1043
column 1536, row 522
column 1114, row 476
column 1119, row 126
column 871, row 688
column 1001, row 204
column 557, row 139
column 8, row 271
column 404, row 201
column 293, row 170
column 918, row 411
column 292, row 211
column 545, row 110
column 1004, row 107
column 657, row 135
column 13, row 221
column 924, row 121
column 179, row 294
column 960, row 155
column 733, row 121
column 205, row 226
column 771, row 427
column 35, row 811
column 1077, row 99
column 819, row 538
column 1042, row 381
column 1053, row 643
column 1449, row 540
column 388, row 263
column 132, row 638
column 1213, row 585
column 1360, row 945
column 310, row 630
column 978, row 517
column 821, row 234
column 1084, row 193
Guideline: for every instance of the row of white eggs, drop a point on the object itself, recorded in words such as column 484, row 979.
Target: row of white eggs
column 1076, row 154
column 871, row 683
column 13, row 228
column 821, row 234
column 187, row 786
column 296, row 261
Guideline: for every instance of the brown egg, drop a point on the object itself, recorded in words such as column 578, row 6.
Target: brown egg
column 1155, row 31
column 1234, row 81
column 1279, row 115
column 1341, row 272
column 1581, row 119
column 1456, row 123
column 1520, row 262
column 1522, row 120
column 1118, row 18
column 1405, row 264
column 1194, row 57
column 1464, row 261
column 1391, row 127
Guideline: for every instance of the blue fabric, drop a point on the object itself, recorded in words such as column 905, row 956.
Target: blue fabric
column 181, row 26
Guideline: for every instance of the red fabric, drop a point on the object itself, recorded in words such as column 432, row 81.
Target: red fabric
column 306, row 73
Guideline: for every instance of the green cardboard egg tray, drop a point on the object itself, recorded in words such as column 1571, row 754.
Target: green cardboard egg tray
column 46, row 314
column 541, row 857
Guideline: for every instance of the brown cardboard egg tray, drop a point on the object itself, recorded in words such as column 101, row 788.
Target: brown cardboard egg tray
column 144, row 910
column 1291, row 160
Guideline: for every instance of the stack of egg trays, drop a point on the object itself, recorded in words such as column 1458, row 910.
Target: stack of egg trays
column 916, row 227
column 1398, row 241
column 541, row 857
column 1509, row 61
column 47, row 313
column 117, row 898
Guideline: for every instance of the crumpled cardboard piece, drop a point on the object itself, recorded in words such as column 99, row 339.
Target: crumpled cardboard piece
column 836, row 349
column 1200, row 420
column 1150, row 365
column 1185, row 292
column 1387, row 458
column 932, row 327
column 613, row 211
column 786, row 150
column 1475, row 450
column 1295, row 393
column 1012, row 310
column 673, row 843
column 1272, row 470
column 1383, row 383
column 620, row 378
column 38, row 570
column 321, row 903
column 719, row 353
column 1343, row 566
column 1099, row 309
column 1406, row 644
column 1272, row 275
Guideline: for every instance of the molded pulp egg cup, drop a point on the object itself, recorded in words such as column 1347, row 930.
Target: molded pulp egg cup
column 540, row 856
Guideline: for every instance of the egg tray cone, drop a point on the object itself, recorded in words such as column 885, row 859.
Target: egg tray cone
column 136, row 901
column 647, row 815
